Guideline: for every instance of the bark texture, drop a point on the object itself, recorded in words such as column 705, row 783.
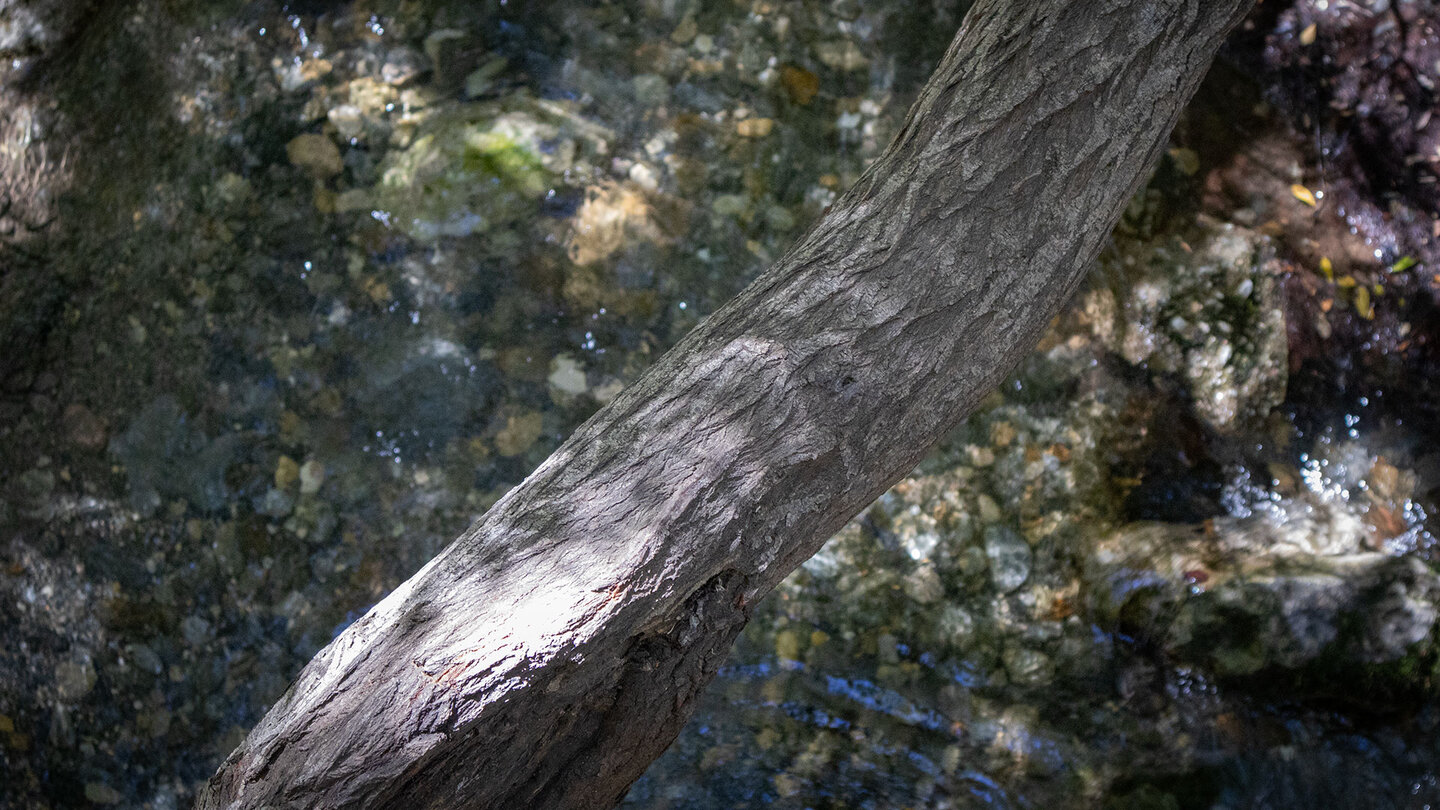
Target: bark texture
column 550, row 653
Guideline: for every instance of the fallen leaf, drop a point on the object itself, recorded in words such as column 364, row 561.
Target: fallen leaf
column 1362, row 303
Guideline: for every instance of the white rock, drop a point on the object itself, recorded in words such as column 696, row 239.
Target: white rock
column 312, row 475
column 567, row 376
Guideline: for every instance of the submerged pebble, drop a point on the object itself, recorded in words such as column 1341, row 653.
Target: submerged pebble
column 306, row 396
column 316, row 155
column 1009, row 557
column 519, row 433
column 567, row 376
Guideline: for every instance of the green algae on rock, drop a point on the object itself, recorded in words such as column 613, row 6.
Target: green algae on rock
column 472, row 169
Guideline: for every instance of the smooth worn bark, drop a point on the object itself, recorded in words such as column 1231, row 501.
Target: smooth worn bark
column 550, row 653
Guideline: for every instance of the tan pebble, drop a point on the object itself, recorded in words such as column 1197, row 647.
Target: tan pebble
column 324, row 200
column 316, row 69
column 685, row 31
column 988, row 509
column 842, row 55
column 1002, row 433
column 1384, row 479
column 287, row 472
column 981, row 456
column 787, row 645
column 315, row 154
column 355, row 199
column 378, row 291
column 754, row 127
column 519, row 433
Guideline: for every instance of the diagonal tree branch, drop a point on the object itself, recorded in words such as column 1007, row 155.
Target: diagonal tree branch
column 551, row 652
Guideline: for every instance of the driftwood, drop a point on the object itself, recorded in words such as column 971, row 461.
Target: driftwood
column 556, row 648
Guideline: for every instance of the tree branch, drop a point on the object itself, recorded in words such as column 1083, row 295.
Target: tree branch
column 551, row 652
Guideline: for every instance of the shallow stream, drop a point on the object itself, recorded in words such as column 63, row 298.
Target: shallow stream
column 297, row 292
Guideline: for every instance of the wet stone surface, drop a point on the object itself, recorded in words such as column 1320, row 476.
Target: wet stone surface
column 391, row 254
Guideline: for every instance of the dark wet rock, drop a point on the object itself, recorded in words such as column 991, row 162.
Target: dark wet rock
column 195, row 630
column 1027, row 666
column 275, row 503
column 696, row 97
column 145, row 659
column 453, row 55
column 32, row 490
column 32, row 27
column 313, row 521
column 436, row 393
column 101, row 793
column 74, row 676
column 165, row 454
column 402, row 65
column 1404, row 605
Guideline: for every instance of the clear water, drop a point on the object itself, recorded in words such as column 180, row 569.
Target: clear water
column 336, row 278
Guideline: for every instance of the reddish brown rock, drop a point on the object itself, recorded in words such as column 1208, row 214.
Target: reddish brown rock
column 83, row 428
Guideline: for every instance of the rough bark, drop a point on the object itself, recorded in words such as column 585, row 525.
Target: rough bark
column 551, row 652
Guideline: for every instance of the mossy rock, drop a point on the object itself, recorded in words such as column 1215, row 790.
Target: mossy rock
column 470, row 170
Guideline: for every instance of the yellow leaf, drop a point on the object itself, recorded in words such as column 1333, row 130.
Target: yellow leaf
column 1362, row 303
column 1405, row 263
column 1303, row 194
column 1307, row 36
column 1327, row 269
